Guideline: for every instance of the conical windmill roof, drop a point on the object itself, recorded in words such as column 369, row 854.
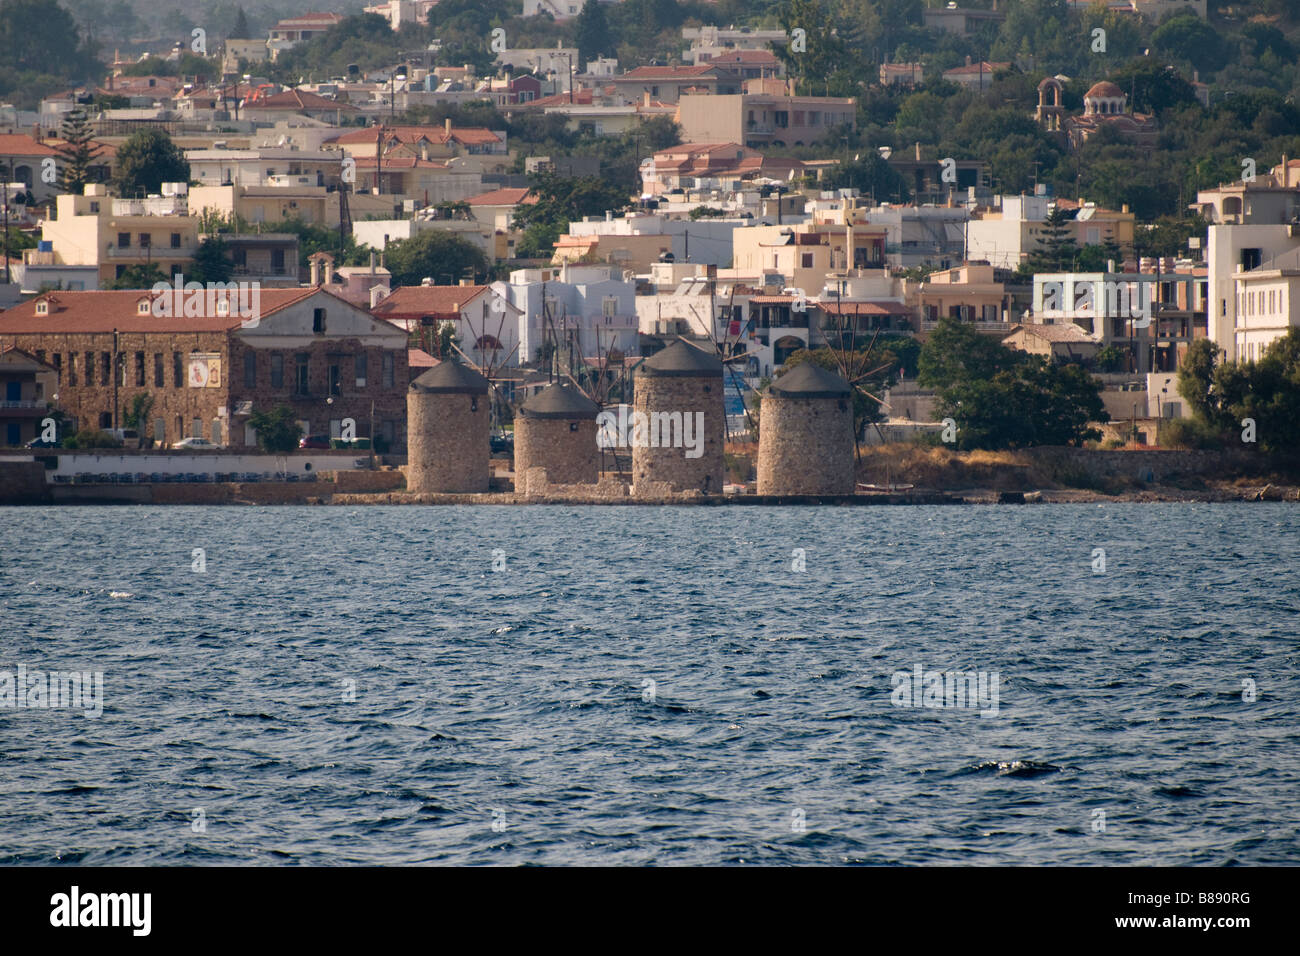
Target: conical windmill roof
column 681, row 359
column 810, row 380
column 559, row 401
column 451, row 376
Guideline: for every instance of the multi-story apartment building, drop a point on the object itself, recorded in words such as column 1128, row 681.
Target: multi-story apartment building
column 765, row 114
column 95, row 229
column 1251, row 224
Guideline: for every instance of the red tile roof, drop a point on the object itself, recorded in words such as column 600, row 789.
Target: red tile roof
column 465, row 135
column 104, row 311
column 668, row 72
column 299, row 100
column 503, row 197
column 20, row 144
column 439, row 301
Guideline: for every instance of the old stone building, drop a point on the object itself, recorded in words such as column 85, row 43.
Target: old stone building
column 27, row 389
column 556, row 430
column 805, row 437
column 679, row 393
column 206, row 372
column 447, row 424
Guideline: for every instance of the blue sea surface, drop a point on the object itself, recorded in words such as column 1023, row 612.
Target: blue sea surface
column 635, row 685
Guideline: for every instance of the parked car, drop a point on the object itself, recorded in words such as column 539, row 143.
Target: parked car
column 502, row 442
column 315, row 441
column 191, row 443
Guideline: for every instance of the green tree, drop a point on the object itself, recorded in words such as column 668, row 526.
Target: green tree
column 138, row 277
column 955, row 352
column 591, row 33
column 561, row 200
column 870, row 175
column 1189, row 38
column 278, row 431
column 435, row 254
column 148, row 159
column 241, row 30
column 77, row 152
column 1196, row 381
column 1058, row 248
column 1032, row 403
column 137, row 417
column 211, row 261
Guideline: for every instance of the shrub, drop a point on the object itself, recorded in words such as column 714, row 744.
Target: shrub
column 92, row 438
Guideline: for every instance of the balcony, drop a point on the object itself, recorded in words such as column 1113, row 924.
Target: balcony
column 150, row 252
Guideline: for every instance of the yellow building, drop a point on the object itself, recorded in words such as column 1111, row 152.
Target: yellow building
column 805, row 254
column 114, row 234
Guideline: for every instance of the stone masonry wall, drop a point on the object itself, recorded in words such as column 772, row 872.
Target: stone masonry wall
column 447, row 442
column 805, row 447
column 569, row 455
column 686, row 395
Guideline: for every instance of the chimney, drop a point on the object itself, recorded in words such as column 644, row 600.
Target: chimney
column 426, row 282
column 968, row 59
column 372, row 262
column 645, row 98
column 446, row 126
column 315, row 270
column 918, row 152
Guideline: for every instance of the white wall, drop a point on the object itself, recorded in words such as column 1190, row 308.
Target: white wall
column 176, row 464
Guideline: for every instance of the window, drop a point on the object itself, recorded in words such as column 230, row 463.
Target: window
column 176, row 240
column 139, row 370
column 159, row 373
column 335, row 379
column 277, row 261
column 609, row 306
column 105, row 419
column 302, row 381
column 88, row 367
column 806, row 260
column 178, row 378
column 250, row 369
column 94, row 207
column 72, row 368
column 57, row 361
column 388, row 369
column 123, row 240
column 142, row 307
column 145, row 240
column 318, row 320
column 40, row 356
column 360, row 365
column 42, row 308
column 277, row 370
column 105, row 368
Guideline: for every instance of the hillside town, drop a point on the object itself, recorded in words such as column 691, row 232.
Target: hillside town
column 204, row 251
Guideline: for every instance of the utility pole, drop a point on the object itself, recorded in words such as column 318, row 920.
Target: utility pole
column 8, row 162
column 115, row 377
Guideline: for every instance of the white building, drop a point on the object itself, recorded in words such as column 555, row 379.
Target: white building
column 1267, row 304
column 591, row 307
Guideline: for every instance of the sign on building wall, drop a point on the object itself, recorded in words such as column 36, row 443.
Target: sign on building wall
column 205, row 370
